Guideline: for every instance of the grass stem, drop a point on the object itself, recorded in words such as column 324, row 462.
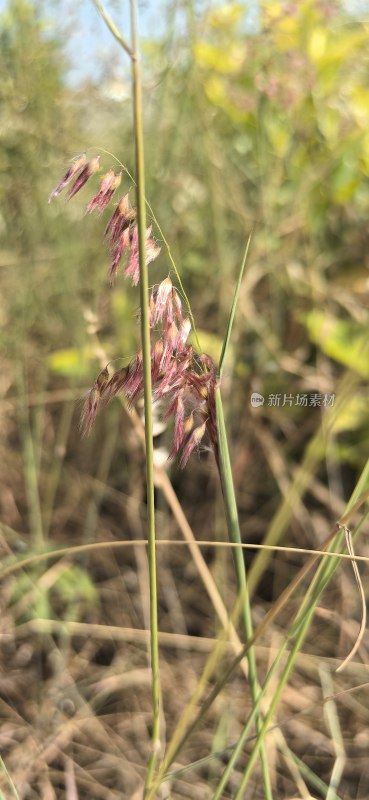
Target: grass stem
column 234, row 533
column 133, row 52
column 146, row 358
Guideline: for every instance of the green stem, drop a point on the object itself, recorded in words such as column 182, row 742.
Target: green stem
column 146, row 358
column 234, row 533
column 297, row 633
column 133, row 52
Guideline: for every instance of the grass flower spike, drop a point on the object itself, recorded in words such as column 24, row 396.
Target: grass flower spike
column 178, row 381
column 77, row 165
column 92, row 401
column 152, row 252
column 184, row 382
column 121, row 219
column 87, row 172
column 108, row 186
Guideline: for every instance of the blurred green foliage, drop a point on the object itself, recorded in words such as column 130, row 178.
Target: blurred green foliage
column 71, row 591
column 45, row 262
column 268, row 130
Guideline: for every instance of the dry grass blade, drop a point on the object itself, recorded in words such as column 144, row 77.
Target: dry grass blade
column 350, row 548
column 113, row 28
column 9, row 781
column 331, row 714
column 71, row 791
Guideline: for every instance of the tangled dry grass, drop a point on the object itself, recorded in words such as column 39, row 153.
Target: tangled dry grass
column 75, row 682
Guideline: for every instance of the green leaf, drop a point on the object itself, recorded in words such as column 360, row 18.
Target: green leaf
column 352, row 415
column 72, row 361
column 211, row 343
column 341, row 340
column 74, row 585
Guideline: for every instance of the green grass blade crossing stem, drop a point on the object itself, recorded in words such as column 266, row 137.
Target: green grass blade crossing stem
column 231, row 512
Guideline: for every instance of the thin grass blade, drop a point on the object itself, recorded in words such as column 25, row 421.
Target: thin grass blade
column 233, row 309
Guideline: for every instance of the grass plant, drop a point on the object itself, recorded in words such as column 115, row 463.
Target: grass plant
column 220, row 434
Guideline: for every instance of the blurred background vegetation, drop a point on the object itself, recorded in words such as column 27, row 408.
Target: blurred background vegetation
column 256, row 120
